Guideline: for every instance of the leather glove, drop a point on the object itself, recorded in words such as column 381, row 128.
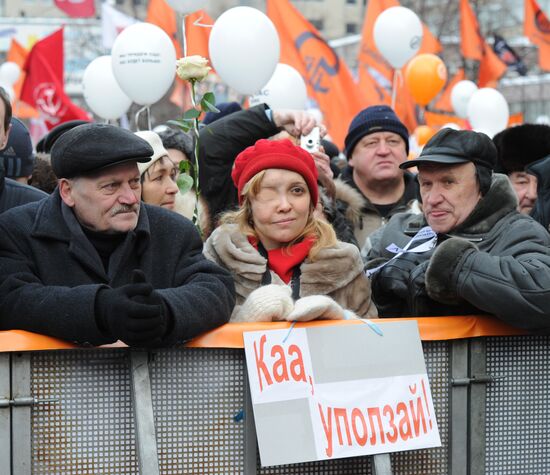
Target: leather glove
column 133, row 313
column 266, row 303
column 391, row 285
column 315, row 306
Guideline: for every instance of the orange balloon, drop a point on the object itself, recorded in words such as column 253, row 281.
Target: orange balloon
column 423, row 133
column 425, row 76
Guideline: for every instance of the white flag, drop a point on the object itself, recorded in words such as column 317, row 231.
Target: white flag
column 112, row 23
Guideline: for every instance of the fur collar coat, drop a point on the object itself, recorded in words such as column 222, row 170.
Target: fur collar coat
column 336, row 272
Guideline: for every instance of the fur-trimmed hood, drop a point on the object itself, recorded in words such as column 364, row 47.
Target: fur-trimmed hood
column 352, row 198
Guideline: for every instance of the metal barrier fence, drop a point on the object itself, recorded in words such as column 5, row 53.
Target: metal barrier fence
column 187, row 411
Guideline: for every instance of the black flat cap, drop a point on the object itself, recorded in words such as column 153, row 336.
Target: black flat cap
column 51, row 137
column 451, row 146
column 87, row 148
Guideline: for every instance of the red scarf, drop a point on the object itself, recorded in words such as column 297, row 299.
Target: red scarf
column 283, row 260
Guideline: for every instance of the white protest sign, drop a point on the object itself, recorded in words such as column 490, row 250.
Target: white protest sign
column 339, row 391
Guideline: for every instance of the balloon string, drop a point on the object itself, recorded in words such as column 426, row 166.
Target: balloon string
column 204, row 25
column 183, row 39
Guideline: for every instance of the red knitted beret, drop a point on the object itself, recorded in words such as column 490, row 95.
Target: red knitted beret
column 282, row 154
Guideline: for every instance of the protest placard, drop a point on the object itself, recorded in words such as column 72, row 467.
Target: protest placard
column 339, row 391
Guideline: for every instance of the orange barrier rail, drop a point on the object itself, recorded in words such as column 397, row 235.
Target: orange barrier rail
column 231, row 334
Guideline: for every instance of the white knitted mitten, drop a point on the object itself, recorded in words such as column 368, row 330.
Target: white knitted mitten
column 266, row 303
column 316, row 306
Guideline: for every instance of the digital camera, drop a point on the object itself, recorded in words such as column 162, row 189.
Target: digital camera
column 311, row 141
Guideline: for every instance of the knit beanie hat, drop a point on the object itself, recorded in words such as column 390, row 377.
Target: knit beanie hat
column 281, row 154
column 374, row 119
column 17, row 154
column 520, row 146
column 153, row 139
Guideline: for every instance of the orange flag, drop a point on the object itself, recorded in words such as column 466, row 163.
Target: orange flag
column 536, row 27
column 491, row 68
column 444, row 101
column 18, row 55
column 197, row 33
column 471, row 41
column 161, row 14
column 328, row 79
column 433, row 119
column 473, row 46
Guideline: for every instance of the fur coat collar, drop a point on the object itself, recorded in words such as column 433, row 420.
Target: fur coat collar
column 332, row 269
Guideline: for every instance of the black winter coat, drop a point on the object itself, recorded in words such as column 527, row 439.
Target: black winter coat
column 50, row 273
column 541, row 210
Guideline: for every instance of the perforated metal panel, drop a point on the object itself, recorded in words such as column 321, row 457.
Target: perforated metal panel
column 90, row 428
column 518, row 406
column 431, row 461
column 198, row 398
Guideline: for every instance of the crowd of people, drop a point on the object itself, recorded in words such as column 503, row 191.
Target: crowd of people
column 97, row 243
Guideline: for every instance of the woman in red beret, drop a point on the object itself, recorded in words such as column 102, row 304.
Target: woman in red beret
column 286, row 261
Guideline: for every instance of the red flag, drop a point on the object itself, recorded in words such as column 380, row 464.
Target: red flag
column 161, row 14
column 77, row 8
column 43, row 86
column 536, row 27
column 473, row 46
column 328, row 78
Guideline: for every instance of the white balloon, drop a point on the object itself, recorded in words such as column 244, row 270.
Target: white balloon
column 460, row 96
column 244, row 48
column 398, row 35
column 10, row 72
column 144, row 62
column 285, row 90
column 101, row 90
column 186, row 6
column 488, row 111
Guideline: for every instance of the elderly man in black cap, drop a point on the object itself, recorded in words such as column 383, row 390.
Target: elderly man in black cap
column 470, row 251
column 92, row 264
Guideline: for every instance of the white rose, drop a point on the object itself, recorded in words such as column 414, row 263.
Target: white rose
column 192, row 68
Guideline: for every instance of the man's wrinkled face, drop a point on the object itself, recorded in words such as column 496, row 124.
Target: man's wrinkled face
column 449, row 194
column 525, row 186
column 107, row 201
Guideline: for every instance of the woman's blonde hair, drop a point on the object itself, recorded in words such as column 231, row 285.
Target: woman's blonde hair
column 319, row 229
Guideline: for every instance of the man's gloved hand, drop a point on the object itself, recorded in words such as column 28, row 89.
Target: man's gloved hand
column 133, row 313
column 266, row 303
column 316, row 306
column 391, row 285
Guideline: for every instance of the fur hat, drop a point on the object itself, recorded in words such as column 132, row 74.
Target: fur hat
column 153, row 139
column 17, row 154
column 374, row 119
column 521, row 145
column 282, row 154
column 91, row 147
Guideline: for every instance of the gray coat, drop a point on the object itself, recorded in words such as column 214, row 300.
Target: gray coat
column 50, row 273
column 497, row 261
